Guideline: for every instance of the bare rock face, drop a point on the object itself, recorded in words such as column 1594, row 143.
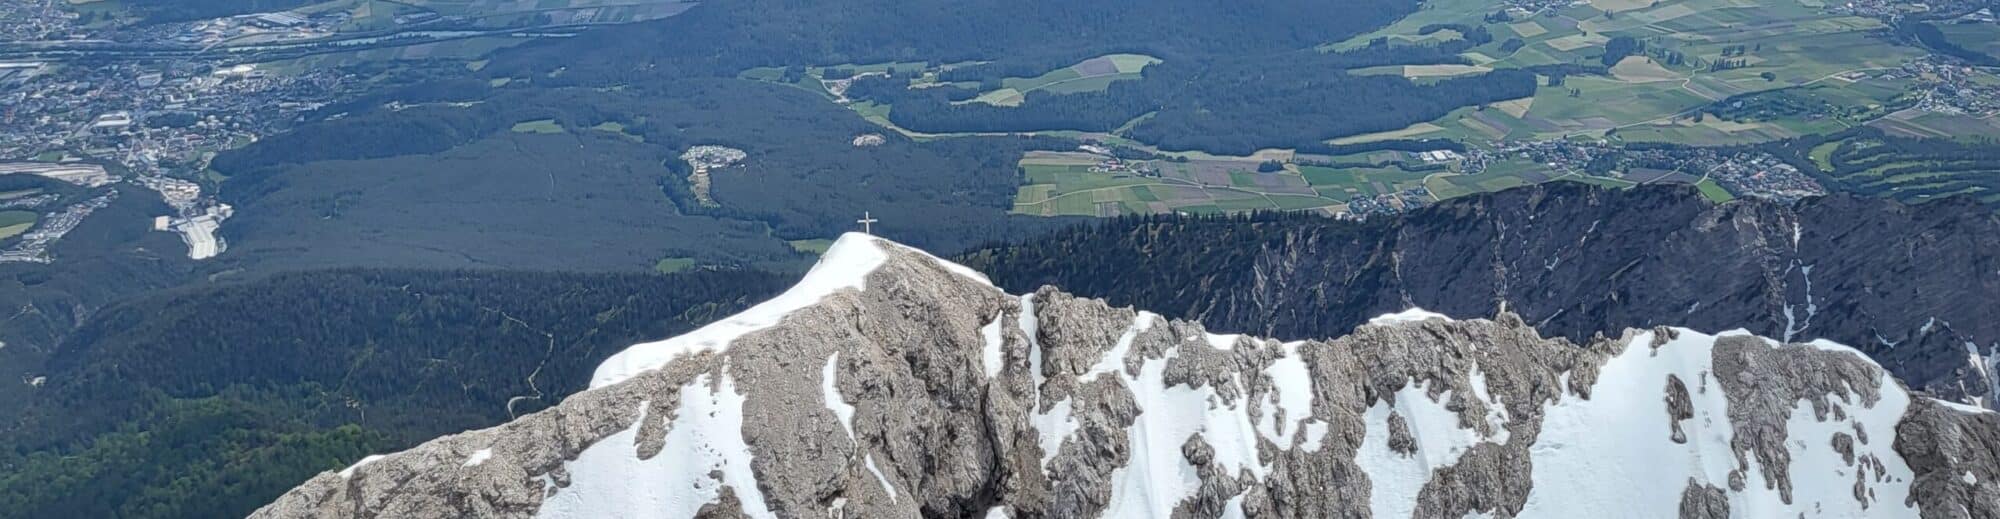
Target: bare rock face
column 893, row 384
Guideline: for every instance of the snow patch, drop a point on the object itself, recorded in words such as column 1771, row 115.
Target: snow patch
column 1412, row 315
column 1155, row 477
column 1054, row 426
column 869, row 461
column 478, row 457
column 846, row 264
column 1496, row 411
column 1963, row 408
column 1315, row 434
column 1114, row 360
column 1614, row 452
column 991, row 357
column 609, row 479
column 829, row 392
column 349, row 471
column 1293, row 392
column 1233, row 508
column 1398, row 478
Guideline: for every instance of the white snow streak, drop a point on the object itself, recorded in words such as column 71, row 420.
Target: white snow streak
column 829, row 392
column 845, row 265
column 991, row 355
column 349, row 471
column 1411, row 315
column 478, row 457
column 869, row 460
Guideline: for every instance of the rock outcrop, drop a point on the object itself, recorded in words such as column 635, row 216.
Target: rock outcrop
column 892, row 384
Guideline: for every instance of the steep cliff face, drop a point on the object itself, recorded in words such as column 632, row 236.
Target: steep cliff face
column 1915, row 287
column 892, row 384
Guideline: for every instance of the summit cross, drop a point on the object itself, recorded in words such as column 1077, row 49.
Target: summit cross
column 867, row 223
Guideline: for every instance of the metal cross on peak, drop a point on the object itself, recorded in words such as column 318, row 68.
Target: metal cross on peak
column 867, row 223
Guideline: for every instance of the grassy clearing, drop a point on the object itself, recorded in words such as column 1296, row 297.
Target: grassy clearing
column 1413, row 130
column 1714, row 191
column 1064, row 184
column 1637, row 69
column 672, row 265
column 815, row 246
column 541, row 126
column 1089, row 75
column 618, row 128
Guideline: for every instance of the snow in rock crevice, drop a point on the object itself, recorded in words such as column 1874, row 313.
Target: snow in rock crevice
column 869, row 461
column 1114, row 359
column 829, row 392
column 991, row 355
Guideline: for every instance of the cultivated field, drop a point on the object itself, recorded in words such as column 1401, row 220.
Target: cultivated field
column 1784, row 45
column 1079, row 184
column 13, row 223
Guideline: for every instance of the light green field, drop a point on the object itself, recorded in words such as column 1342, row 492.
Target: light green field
column 1346, row 183
column 542, row 126
column 672, row 265
column 1062, row 184
column 618, row 128
column 1714, row 191
column 1091, row 75
column 1646, row 99
column 16, row 222
column 815, row 246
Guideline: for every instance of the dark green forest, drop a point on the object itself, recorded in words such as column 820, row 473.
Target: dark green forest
column 1232, row 107
column 1237, row 77
column 209, row 402
column 609, row 197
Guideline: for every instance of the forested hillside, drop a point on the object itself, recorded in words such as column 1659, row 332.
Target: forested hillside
column 602, row 186
column 1237, row 77
column 208, row 402
column 725, row 38
column 1232, row 106
column 1912, row 285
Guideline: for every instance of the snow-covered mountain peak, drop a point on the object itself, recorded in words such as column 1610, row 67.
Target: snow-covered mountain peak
column 890, row 383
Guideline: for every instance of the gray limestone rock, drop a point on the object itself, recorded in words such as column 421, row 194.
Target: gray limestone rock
column 915, row 389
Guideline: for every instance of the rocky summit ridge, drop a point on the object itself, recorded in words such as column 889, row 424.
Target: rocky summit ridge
column 890, row 383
